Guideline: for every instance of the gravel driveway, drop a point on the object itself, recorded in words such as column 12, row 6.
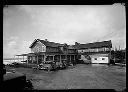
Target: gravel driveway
column 80, row 76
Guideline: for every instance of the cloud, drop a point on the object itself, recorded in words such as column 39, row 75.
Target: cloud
column 10, row 47
column 15, row 48
column 63, row 24
column 29, row 9
column 54, row 22
column 118, row 37
column 77, row 23
column 13, row 38
column 12, row 43
column 25, row 47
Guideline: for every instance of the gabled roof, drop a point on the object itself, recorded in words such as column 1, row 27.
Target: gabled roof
column 71, row 47
column 47, row 43
column 94, row 45
column 51, row 44
column 79, row 46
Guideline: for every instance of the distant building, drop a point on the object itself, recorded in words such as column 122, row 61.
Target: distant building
column 97, row 52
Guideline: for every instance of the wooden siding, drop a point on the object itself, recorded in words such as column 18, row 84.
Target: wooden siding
column 94, row 50
column 39, row 47
column 52, row 49
column 71, row 51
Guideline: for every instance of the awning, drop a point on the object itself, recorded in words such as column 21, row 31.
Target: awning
column 29, row 54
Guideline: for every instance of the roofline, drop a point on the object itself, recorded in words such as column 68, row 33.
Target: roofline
column 34, row 42
column 25, row 54
column 96, row 42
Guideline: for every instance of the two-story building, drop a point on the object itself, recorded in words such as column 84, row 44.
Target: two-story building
column 96, row 52
column 44, row 50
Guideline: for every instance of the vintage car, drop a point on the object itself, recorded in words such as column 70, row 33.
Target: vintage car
column 63, row 64
column 14, row 64
column 15, row 81
column 47, row 65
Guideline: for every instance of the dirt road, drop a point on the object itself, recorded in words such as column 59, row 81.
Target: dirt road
column 79, row 76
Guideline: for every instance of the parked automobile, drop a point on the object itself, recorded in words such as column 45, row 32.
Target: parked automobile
column 14, row 64
column 47, row 65
column 70, row 64
column 63, row 64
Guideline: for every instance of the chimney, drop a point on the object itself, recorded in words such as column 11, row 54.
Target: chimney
column 76, row 43
column 46, row 40
column 37, row 39
column 65, row 44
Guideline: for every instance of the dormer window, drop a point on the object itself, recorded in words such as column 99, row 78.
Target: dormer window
column 95, row 58
column 61, row 48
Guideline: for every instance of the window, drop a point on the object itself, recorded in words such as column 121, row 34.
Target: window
column 95, row 58
column 103, row 58
column 42, row 48
column 61, row 48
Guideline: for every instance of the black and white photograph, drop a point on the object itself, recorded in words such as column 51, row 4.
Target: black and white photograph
column 64, row 47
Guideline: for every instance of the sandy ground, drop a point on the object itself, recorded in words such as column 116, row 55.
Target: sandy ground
column 80, row 76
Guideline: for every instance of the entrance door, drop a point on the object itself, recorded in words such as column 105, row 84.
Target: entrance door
column 40, row 59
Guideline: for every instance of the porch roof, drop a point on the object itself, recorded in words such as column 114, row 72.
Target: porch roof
column 29, row 54
column 44, row 53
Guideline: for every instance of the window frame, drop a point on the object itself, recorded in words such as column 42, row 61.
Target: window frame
column 95, row 58
column 103, row 58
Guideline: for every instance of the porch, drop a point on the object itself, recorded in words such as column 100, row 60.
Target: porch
column 37, row 58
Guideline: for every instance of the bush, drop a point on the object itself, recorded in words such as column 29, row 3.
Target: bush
column 112, row 61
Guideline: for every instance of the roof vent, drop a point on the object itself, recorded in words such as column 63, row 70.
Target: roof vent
column 76, row 43
column 46, row 40
column 65, row 44
column 37, row 39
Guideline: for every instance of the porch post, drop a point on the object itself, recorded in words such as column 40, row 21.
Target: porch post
column 66, row 57
column 14, row 58
column 70, row 57
column 53, row 57
column 44, row 57
column 37, row 59
column 32, row 58
column 23, row 58
column 60, row 58
column 109, row 55
column 18, row 58
column 27, row 59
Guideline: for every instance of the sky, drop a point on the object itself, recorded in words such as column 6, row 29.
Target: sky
column 22, row 24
